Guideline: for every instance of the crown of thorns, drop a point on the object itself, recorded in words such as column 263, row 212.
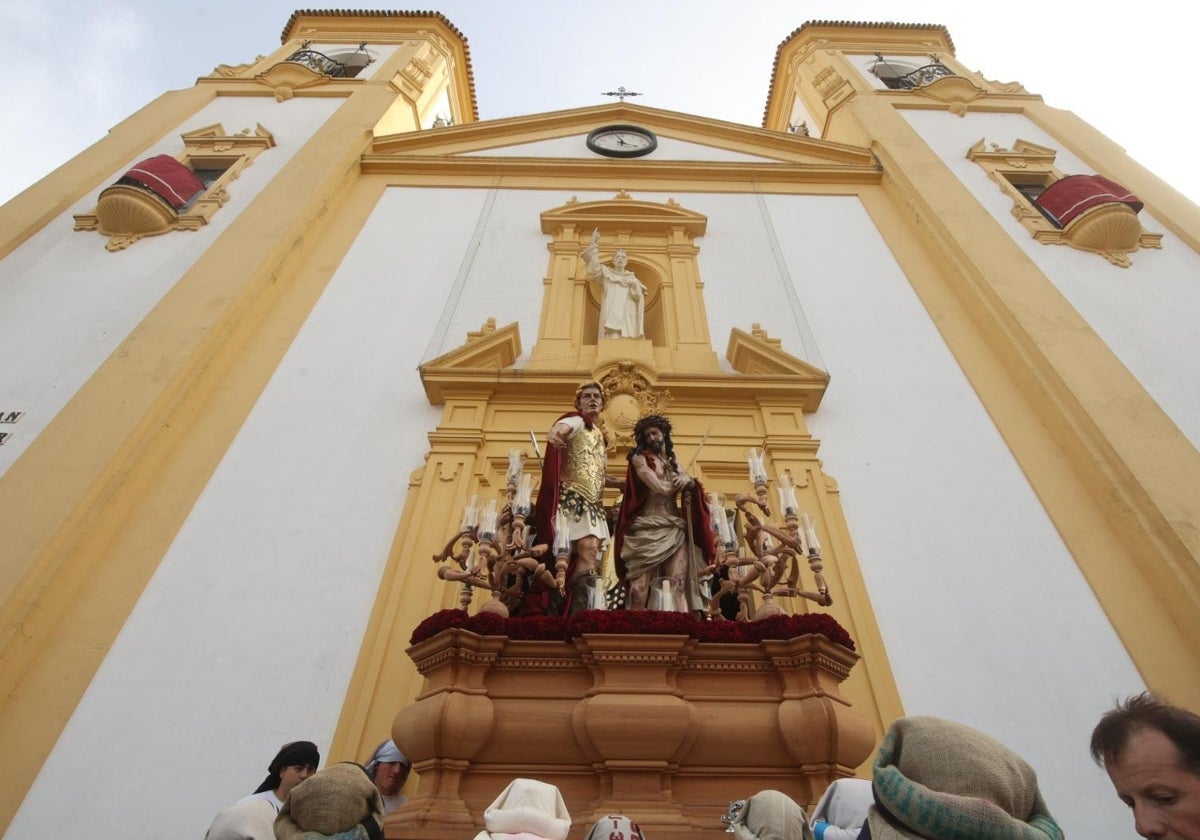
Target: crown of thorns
column 652, row 421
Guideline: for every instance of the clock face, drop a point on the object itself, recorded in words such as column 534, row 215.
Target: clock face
column 622, row 141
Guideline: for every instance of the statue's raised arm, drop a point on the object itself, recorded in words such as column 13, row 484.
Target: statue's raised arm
column 591, row 257
column 622, row 305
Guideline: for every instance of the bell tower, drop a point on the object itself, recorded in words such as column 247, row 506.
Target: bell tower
column 1029, row 213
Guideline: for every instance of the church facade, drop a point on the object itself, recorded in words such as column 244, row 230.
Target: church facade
column 237, row 423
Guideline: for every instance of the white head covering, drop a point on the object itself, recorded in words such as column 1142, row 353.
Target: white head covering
column 615, row 827
column 527, row 807
column 844, row 807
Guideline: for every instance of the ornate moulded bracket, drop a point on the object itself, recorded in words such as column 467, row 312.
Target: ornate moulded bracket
column 287, row 77
column 630, row 395
column 955, row 91
column 1111, row 230
column 126, row 213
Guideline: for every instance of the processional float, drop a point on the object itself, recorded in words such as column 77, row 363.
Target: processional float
column 656, row 715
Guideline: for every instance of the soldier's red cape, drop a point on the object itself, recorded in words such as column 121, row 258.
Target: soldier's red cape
column 538, row 598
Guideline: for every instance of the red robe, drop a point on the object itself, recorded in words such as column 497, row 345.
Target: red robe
column 537, row 599
column 634, row 497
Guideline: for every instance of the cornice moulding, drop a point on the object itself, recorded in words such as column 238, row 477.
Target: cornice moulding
column 573, row 169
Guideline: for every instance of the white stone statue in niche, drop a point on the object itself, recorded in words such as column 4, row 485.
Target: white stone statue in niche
column 623, row 305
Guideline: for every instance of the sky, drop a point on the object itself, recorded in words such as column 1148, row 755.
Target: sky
column 76, row 68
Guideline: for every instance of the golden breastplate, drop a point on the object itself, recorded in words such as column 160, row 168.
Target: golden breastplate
column 586, row 459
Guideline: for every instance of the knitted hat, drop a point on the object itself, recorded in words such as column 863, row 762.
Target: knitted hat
column 615, row 827
column 527, row 806
column 771, row 815
column 335, row 800
column 942, row 780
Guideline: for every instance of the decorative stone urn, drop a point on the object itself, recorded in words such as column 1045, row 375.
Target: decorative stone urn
column 662, row 728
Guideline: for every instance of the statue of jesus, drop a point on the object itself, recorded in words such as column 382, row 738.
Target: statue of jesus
column 623, row 304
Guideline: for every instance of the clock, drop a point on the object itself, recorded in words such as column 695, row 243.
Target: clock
column 622, row 141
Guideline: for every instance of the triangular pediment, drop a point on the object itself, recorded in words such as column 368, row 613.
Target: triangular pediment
column 490, row 348
column 561, row 134
column 755, row 353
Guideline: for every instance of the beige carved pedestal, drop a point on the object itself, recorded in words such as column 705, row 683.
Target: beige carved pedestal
column 664, row 729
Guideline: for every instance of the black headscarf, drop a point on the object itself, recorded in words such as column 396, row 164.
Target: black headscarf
column 289, row 755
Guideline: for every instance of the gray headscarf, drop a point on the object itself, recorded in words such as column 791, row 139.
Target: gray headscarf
column 387, row 751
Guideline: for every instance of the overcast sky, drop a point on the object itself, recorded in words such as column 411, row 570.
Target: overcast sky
column 76, row 68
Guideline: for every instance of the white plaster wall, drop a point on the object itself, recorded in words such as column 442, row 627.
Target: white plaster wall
column 576, row 147
column 985, row 615
column 246, row 636
column 1146, row 313
column 502, row 273
column 66, row 303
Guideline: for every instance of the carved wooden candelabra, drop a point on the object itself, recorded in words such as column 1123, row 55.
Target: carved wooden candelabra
column 491, row 549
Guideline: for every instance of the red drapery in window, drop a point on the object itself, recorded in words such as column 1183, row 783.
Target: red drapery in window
column 1066, row 198
column 167, row 178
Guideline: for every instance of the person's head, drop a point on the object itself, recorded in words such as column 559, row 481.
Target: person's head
column 620, row 259
column 294, row 763
column 652, row 434
column 388, row 767
column 587, row 549
column 930, row 773
column 589, row 399
column 337, row 800
column 292, row 775
column 1151, row 751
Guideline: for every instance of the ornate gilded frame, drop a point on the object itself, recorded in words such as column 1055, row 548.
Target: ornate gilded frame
column 126, row 214
column 1112, row 230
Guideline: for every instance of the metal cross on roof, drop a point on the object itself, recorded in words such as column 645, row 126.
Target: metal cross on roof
column 620, row 92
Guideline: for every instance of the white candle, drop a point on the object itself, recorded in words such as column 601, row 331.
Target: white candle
column 516, row 458
column 470, row 514
column 521, row 504
column 724, row 531
column 758, row 472
column 562, row 534
column 487, row 521
column 814, row 547
column 787, row 494
column 668, row 599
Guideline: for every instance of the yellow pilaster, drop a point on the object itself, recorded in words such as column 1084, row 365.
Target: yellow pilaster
column 1133, row 464
column 132, row 450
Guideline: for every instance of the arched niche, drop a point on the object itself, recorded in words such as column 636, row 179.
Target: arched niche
column 651, row 276
column 659, row 239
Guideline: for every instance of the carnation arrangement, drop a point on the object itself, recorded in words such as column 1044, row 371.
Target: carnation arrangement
column 564, row 628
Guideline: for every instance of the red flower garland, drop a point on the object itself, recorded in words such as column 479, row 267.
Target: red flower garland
column 563, row 629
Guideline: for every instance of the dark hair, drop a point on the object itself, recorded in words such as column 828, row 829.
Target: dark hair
column 654, row 421
column 1145, row 711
